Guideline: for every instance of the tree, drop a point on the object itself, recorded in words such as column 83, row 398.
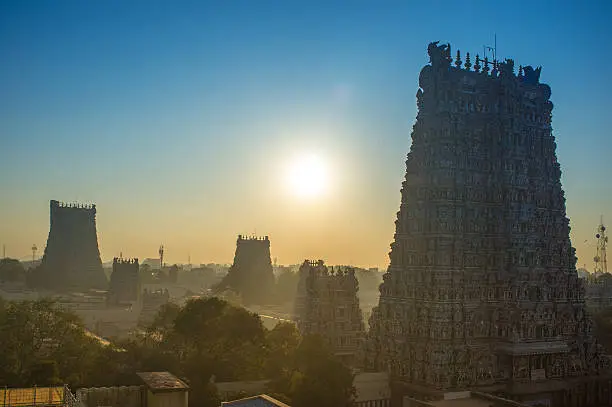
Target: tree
column 12, row 270
column 37, row 331
column 320, row 378
column 44, row 373
column 205, row 338
column 282, row 342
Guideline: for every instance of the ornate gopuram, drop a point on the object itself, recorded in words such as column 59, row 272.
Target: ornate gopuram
column 482, row 292
column 251, row 275
column 327, row 305
column 124, row 285
column 72, row 259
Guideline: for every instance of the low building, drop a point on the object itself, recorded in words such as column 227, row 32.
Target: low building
column 465, row 399
column 262, row 400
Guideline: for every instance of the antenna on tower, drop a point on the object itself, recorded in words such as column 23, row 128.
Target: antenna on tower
column 161, row 257
column 601, row 262
column 34, row 250
column 4, row 251
column 493, row 49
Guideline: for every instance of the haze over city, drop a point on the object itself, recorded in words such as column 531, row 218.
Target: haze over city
column 190, row 124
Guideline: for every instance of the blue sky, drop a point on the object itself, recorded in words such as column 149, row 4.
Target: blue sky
column 178, row 118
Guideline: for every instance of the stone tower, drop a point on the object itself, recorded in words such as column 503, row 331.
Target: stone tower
column 251, row 275
column 482, row 290
column 124, row 285
column 71, row 261
column 327, row 305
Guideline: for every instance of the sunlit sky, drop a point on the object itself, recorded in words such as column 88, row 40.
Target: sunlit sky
column 183, row 120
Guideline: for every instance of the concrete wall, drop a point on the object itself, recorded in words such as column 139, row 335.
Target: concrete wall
column 167, row 399
column 123, row 396
column 372, row 386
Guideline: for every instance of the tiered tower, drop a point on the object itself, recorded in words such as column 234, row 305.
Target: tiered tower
column 251, row 275
column 71, row 260
column 124, row 285
column 152, row 301
column 327, row 305
column 482, row 290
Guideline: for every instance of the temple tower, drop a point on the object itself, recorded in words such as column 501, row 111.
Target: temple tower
column 72, row 259
column 251, row 275
column 327, row 305
column 124, row 285
column 482, row 290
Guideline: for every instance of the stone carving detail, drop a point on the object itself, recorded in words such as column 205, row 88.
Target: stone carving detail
column 532, row 76
column 439, row 54
column 481, row 259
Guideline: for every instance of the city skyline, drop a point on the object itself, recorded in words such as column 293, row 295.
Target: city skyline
column 181, row 123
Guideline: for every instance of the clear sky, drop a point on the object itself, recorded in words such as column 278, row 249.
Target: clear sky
column 181, row 120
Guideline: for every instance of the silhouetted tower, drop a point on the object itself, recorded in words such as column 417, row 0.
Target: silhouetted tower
column 34, row 249
column 161, row 257
column 124, row 286
column 72, row 259
column 601, row 263
column 251, row 274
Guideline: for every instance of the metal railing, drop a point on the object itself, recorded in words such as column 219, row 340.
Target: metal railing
column 37, row 396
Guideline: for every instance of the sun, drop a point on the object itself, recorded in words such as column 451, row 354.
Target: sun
column 308, row 176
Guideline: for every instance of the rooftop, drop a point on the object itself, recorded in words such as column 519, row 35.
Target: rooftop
column 466, row 399
column 262, row 400
column 162, row 382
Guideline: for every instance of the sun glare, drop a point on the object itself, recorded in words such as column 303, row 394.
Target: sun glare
column 308, row 176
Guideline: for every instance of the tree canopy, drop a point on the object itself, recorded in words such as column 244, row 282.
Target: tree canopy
column 12, row 270
column 204, row 341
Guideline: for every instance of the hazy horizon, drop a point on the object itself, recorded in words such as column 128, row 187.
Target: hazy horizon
column 187, row 124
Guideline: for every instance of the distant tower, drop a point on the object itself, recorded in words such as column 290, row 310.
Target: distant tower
column 34, row 250
column 161, row 257
column 251, row 275
column 327, row 304
column 601, row 263
column 124, row 286
column 72, row 259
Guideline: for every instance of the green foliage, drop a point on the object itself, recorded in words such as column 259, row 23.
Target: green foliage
column 44, row 373
column 36, row 331
column 205, row 339
column 12, row 270
column 320, row 378
column 314, row 376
